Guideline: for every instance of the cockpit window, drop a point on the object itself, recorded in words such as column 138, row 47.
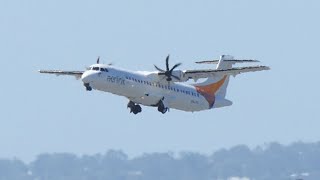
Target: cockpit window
column 104, row 69
column 95, row 68
column 99, row 69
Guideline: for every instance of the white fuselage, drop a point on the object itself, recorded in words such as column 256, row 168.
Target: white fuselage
column 143, row 88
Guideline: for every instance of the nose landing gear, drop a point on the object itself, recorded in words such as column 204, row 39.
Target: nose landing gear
column 88, row 87
column 134, row 108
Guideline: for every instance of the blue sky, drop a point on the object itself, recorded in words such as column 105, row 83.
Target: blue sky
column 42, row 113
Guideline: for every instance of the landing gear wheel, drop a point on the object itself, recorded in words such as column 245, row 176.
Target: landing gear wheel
column 138, row 108
column 162, row 108
column 134, row 108
column 88, row 87
column 130, row 104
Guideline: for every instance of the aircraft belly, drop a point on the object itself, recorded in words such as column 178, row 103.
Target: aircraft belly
column 147, row 97
column 186, row 103
column 146, row 101
column 151, row 96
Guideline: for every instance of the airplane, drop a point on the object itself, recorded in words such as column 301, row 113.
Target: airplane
column 165, row 89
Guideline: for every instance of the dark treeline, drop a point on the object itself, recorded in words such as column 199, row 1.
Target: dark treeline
column 274, row 161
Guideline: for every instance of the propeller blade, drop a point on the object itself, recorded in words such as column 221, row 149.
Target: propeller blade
column 98, row 60
column 175, row 66
column 175, row 77
column 159, row 69
column 167, row 62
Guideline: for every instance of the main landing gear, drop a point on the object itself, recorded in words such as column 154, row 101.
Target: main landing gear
column 88, row 87
column 162, row 108
column 134, row 108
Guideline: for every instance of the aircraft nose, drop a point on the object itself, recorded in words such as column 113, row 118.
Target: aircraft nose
column 87, row 77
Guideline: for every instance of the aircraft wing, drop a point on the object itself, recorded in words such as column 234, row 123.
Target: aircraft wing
column 76, row 74
column 205, row 73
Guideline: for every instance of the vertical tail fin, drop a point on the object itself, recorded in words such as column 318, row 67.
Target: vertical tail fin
column 217, row 85
column 222, row 64
column 214, row 89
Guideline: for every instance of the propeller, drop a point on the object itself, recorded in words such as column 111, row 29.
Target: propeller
column 98, row 60
column 168, row 71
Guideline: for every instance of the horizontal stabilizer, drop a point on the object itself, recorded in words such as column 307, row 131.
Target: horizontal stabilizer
column 198, row 74
column 234, row 61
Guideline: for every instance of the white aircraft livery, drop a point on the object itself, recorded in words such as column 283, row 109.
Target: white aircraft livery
column 165, row 89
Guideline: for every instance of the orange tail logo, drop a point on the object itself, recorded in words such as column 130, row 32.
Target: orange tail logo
column 209, row 91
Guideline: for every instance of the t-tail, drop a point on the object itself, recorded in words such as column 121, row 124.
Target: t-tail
column 214, row 89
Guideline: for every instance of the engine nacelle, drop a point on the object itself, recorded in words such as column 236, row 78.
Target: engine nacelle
column 177, row 73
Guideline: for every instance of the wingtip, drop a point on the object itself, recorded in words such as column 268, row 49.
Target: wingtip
column 266, row 68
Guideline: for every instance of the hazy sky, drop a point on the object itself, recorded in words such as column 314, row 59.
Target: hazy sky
column 43, row 113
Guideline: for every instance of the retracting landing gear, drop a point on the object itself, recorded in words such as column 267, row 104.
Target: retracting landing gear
column 88, row 87
column 162, row 108
column 134, row 108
